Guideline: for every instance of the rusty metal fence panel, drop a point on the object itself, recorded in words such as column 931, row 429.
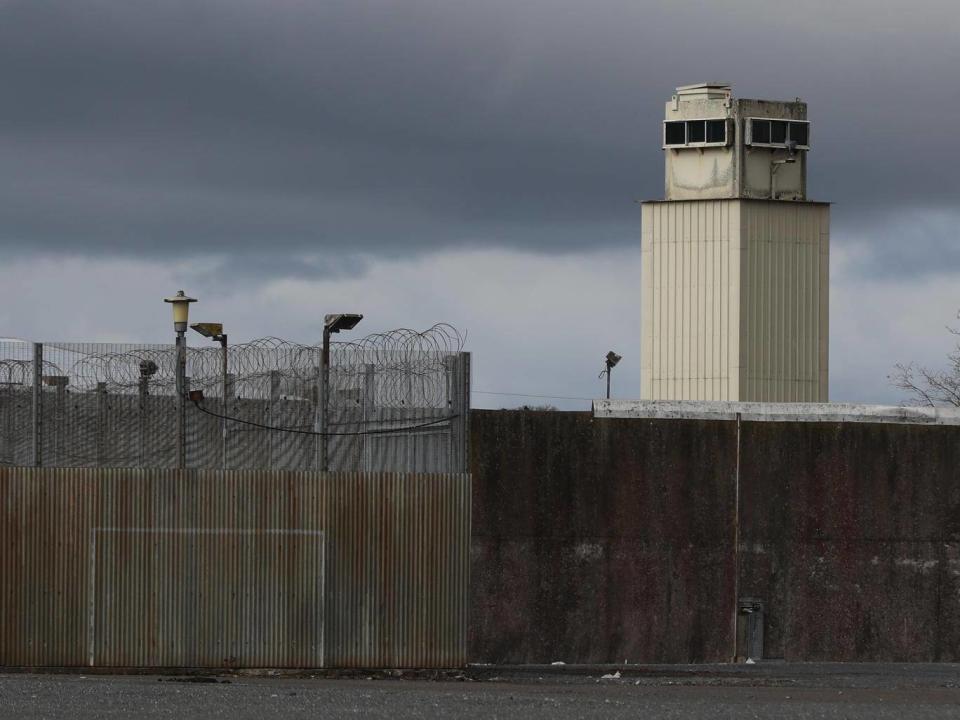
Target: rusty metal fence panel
column 165, row 568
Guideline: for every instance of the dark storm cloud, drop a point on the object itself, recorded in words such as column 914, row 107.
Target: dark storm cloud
column 389, row 128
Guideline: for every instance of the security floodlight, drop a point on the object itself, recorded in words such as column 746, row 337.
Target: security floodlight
column 612, row 360
column 210, row 330
column 148, row 368
column 331, row 324
column 341, row 321
column 181, row 309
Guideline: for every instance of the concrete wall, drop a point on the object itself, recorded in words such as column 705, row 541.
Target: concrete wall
column 604, row 540
column 851, row 534
column 598, row 541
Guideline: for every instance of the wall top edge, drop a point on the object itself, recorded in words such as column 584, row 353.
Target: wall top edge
column 234, row 474
column 775, row 412
column 735, row 199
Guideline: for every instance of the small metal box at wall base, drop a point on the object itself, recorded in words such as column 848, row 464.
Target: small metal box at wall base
column 750, row 617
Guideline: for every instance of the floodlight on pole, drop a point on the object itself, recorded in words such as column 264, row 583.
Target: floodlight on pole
column 340, row 321
column 611, row 362
column 333, row 323
column 209, row 330
column 215, row 332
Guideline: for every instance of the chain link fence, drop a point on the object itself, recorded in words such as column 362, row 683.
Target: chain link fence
column 397, row 401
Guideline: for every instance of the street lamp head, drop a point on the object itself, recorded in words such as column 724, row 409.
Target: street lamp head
column 181, row 310
column 613, row 359
column 210, row 330
column 341, row 321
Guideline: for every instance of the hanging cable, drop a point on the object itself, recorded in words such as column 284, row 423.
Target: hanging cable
column 381, row 431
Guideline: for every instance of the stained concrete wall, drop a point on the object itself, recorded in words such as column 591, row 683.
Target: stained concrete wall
column 851, row 534
column 601, row 541
column 604, row 540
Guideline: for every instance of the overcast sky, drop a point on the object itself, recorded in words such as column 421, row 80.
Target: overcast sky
column 469, row 162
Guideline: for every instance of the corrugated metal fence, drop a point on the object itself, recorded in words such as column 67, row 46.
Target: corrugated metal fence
column 166, row 568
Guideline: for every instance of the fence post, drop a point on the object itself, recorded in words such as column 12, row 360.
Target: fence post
column 101, row 422
column 184, row 434
column 37, row 404
column 369, row 414
column 410, row 417
column 180, row 368
column 144, row 393
column 60, row 427
column 9, row 438
column 451, row 364
column 275, row 438
column 460, row 407
column 228, row 394
column 319, row 420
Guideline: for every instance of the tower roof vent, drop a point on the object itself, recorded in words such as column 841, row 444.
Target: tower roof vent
column 704, row 91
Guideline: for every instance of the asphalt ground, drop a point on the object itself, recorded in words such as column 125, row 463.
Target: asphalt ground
column 689, row 692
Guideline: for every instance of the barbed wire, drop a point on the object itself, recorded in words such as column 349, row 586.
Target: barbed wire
column 114, row 404
column 408, row 366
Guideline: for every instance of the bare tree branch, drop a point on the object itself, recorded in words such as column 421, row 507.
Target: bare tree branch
column 925, row 386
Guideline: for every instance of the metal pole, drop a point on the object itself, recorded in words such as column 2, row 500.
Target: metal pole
column 324, row 399
column 608, row 382
column 61, row 426
column 369, row 414
column 273, row 418
column 37, row 404
column 101, row 424
column 463, row 408
column 223, row 420
column 181, row 399
column 144, row 391
column 736, row 544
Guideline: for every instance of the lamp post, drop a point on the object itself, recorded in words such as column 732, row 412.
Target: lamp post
column 611, row 362
column 181, row 310
column 215, row 332
column 331, row 324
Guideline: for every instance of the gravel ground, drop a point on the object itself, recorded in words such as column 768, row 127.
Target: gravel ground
column 776, row 691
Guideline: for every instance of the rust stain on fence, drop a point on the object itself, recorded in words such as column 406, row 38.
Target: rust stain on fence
column 197, row 568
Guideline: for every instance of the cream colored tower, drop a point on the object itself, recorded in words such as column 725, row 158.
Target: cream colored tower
column 735, row 259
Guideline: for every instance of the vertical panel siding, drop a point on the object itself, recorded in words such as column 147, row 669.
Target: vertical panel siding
column 735, row 300
column 689, row 300
column 784, row 301
column 158, row 568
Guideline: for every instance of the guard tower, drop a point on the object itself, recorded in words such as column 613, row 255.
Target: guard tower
column 735, row 259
